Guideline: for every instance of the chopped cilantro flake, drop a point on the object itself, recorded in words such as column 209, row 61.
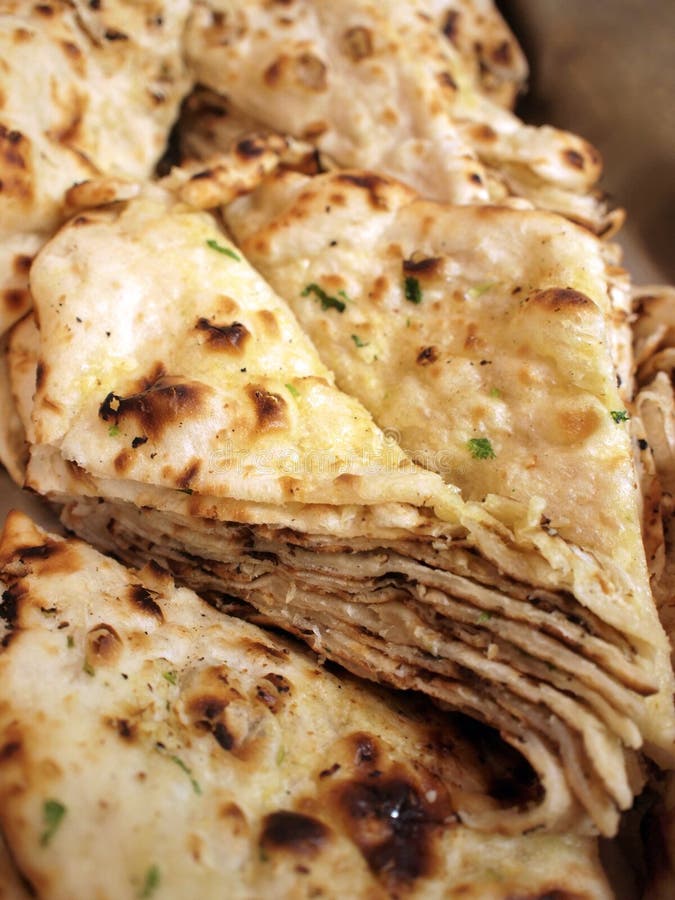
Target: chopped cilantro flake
column 484, row 617
column 281, row 753
column 480, row 448
column 170, row 677
column 359, row 343
column 412, row 290
column 214, row 245
column 114, row 430
column 70, row 641
column 495, row 392
column 292, row 390
column 479, row 289
column 52, row 814
column 327, row 302
column 150, row 882
column 188, row 771
column 619, row 415
column 88, row 668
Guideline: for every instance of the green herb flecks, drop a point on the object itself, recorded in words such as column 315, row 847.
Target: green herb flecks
column 359, row 343
column 114, row 430
column 281, row 754
column 88, row 668
column 150, row 882
column 479, row 289
column 619, row 415
column 214, row 245
column 196, row 787
column 480, row 448
column 170, row 677
column 52, row 815
column 292, row 390
column 412, row 290
column 484, row 617
column 327, row 302
column 70, row 641
column 495, row 392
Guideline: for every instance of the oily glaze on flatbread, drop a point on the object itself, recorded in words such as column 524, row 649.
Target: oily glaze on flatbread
column 188, row 750
column 61, row 119
column 149, row 374
column 465, row 325
column 380, row 86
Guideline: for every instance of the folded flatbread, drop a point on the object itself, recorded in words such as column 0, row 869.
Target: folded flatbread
column 181, row 414
column 69, row 70
column 152, row 745
column 385, row 87
column 488, row 340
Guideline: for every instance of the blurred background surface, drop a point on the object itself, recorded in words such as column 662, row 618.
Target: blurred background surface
column 605, row 69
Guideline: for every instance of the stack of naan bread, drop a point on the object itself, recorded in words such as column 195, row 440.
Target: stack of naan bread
column 363, row 368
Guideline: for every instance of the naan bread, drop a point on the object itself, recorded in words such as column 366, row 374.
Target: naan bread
column 151, row 744
column 87, row 89
column 654, row 332
column 181, row 414
column 466, row 325
column 380, row 86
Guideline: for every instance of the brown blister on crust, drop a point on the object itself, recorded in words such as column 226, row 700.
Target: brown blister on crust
column 231, row 338
column 75, row 56
column 393, row 817
column 557, row 299
column 502, row 54
column 574, row 159
column 235, row 818
column 426, row 356
column 578, row 424
column 366, row 749
column 446, row 80
column 122, row 461
column 349, row 480
column 311, row 72
column 207, row 702
column 357, row 43
column 104, row 645
column 282, row 684
column 450, row 25
column 16, row 179
column 251, row 148
column 141, row 598
column 304, row 70
column 10, row 602
column 162, row 401
column 483, row 133
column 375, row 185
column 270, row 409
column 11, row 748
column 294, row 832
column 125, row 729
column 268, row 321
column 16, row 299
column 21, row 264
column 424, row 265
column 189, row 473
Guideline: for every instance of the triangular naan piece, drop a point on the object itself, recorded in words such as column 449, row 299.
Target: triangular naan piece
column 68, row 69
column 151, row 744
column 484, row 338
column 384, row 86
column 181, row 414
